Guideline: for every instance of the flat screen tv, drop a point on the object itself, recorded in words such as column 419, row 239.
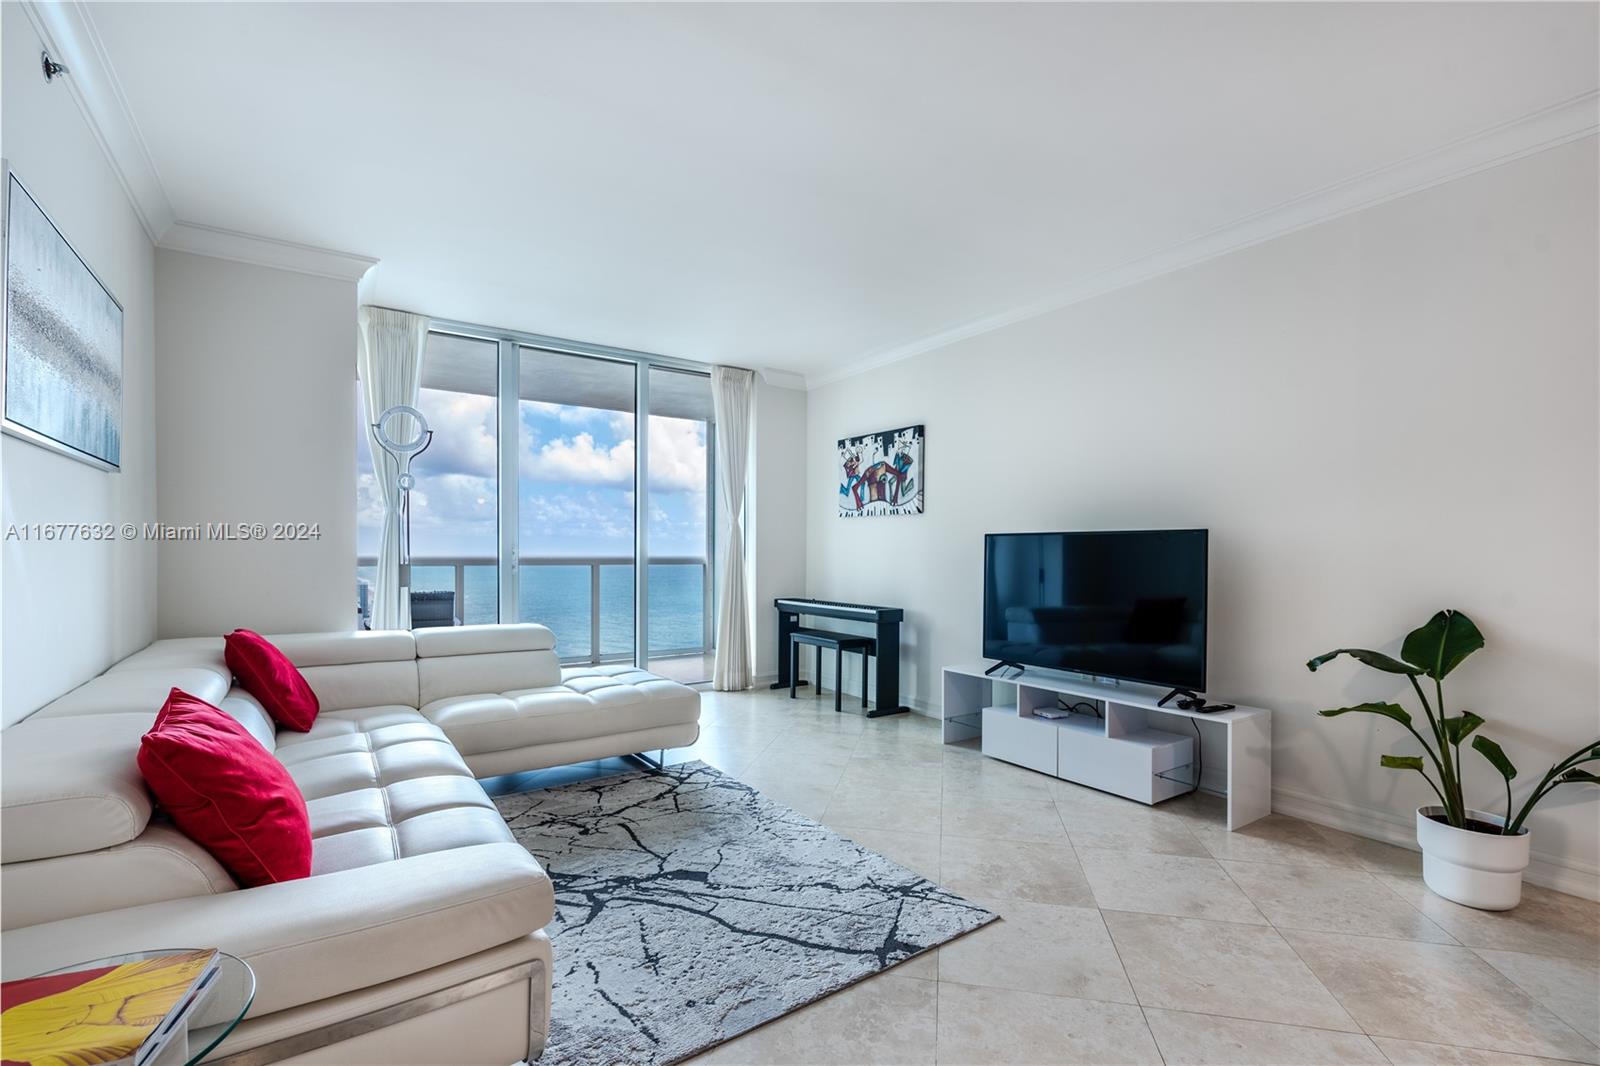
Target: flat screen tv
column 1127, row 605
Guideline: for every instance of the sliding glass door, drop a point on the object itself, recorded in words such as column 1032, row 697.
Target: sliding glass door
column 536, row 503
column 678, row 524
column 577, row 501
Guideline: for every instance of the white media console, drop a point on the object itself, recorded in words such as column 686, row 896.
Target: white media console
column 1128, row 746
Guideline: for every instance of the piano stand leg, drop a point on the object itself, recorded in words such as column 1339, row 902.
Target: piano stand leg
column 884, row 712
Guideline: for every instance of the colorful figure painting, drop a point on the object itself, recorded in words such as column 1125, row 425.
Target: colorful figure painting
column 881, row 473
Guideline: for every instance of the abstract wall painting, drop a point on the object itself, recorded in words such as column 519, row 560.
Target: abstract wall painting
column 881, row 473
column 63, row 341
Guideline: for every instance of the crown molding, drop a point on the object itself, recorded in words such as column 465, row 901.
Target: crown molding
column 782, row 379
column 1547, row 128
column 266, row 251
column 70, row 35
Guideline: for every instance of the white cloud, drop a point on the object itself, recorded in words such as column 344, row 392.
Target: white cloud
column 463, row 434
column 677, row 457
column 578, row 459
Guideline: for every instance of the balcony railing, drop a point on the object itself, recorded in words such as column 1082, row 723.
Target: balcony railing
column 583, row 599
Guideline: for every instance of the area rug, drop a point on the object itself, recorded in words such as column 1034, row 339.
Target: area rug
column 690, row 908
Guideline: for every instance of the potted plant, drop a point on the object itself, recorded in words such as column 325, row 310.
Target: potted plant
column 1469, row 856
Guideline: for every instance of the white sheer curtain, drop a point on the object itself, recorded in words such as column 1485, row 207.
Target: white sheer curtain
column 390, row 365
column 732, row 391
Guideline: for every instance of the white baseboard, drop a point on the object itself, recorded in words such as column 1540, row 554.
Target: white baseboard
column 1549, row 871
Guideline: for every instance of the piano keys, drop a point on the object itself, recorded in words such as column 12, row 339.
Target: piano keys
column 886, row 620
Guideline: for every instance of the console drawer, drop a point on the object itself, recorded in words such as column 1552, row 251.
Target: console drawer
column 1029, row 742
column 1125, row 765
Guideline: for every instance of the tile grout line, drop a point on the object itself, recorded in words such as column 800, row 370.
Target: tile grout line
column 1112, row 940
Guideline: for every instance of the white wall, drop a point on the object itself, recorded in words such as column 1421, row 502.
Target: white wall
column 1377, row 417
column 70, row 608
column 256, row 381
column 778, row 531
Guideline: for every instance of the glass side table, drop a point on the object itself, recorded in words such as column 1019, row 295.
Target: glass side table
column 230, row 996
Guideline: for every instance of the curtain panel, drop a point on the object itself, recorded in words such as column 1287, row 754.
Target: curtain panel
column 389, row 361
column 732, row 393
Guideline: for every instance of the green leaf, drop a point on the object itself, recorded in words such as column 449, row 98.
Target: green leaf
column 1439, row 646
column 1460, row 727
column 1375, row 659
column 1497, row 758
column 1578, row 777
column 1387, row 710
column 1402, row 762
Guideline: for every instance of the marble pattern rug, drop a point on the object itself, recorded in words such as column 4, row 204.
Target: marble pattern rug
column 690, row 908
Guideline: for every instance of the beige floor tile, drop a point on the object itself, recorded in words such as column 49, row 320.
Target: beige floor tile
column 1199, row 810
column 1131, row 828
column 883, row 1020
column 799, row 746
column 992, row 778
column 1331, row 901
column 968, row 814
column 907, row 746
column 993, row 1026
column 1379, row 858
column 1240, row 971
column 768, row 768
column 1417, row 1053
column 923, row 967
column 917, row 852
column 877, row 808
column 1437, row 993
column 876, row 771
column 1275, row 838
column 1178, row 885
column 1037, row 947
column 823, row 767
column 1544, row 923
column 1569, row 988
column 1004, row 869
column 807, row 798
column 1206, row 1040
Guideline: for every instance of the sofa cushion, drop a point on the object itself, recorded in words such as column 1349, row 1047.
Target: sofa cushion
column 483, row 640
column 268, row 675
column 226, row 792
column 599, row 701
column 160, row 863
column 141, row 691
column 318, row 937
column 71, row 785
column 383, row 783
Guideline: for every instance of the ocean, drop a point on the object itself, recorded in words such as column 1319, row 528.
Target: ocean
column 558, row 596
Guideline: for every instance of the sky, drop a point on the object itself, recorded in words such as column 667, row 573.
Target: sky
column 575, row 483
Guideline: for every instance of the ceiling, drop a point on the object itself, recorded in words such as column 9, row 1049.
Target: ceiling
column 807, row 187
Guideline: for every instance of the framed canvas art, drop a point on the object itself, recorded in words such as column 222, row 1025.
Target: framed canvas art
column 881, row 473
column 63, row 341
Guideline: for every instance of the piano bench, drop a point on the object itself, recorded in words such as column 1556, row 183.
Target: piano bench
column 840, row 643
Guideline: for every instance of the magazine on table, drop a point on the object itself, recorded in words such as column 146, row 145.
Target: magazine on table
column 120, row 1014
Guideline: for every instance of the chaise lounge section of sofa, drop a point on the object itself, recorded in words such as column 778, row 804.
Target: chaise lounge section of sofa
column 418, row 936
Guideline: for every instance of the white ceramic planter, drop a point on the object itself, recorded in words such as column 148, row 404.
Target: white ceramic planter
column 1480, row 870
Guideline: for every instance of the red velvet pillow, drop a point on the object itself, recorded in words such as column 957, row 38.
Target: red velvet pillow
column 226, row 792
column 268, row 675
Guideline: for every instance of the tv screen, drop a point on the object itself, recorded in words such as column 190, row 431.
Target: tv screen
column 1129, row 605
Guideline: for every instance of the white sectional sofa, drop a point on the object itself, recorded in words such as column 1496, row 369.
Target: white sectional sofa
column 417, row 938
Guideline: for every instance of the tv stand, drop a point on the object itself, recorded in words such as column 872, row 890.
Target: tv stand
column 1134, row 747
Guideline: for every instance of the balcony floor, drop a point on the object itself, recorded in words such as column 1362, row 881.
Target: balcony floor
column 689, row 669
